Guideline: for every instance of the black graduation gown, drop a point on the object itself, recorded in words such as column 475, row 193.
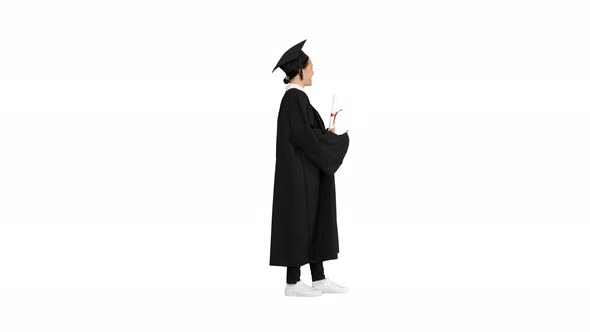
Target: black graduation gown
column 304, row 226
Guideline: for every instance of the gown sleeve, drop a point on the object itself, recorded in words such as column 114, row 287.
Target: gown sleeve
column 324, row 149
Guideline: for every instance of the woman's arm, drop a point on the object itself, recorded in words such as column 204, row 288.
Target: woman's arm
column 326, row 150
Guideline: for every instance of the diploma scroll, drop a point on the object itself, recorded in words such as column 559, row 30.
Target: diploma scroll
column 333, row 113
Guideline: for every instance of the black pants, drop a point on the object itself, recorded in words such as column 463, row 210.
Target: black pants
column 294, row 272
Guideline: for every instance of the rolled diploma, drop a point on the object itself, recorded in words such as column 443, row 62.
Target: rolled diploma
column 332, row 114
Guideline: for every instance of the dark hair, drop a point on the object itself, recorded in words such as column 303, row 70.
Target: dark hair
column 299, row 71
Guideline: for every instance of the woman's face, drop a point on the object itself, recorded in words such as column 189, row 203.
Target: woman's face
column 308, row 73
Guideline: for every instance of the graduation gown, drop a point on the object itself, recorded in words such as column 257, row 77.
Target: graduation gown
column 304, row 228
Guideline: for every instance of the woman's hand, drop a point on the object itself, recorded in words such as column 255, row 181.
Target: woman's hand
column 333, row 129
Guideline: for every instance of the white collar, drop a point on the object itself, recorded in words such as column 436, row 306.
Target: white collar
column 293, row 85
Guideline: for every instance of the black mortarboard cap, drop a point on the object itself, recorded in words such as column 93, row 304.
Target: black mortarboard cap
column 293, row 59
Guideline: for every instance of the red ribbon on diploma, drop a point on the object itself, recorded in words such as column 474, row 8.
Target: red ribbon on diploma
column 334, row 115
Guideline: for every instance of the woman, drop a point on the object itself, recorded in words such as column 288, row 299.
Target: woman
column 304, row 226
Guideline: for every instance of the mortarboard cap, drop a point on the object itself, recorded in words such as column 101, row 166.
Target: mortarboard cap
column 292, row 59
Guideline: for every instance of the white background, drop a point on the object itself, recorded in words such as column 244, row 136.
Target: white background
column 137, row 155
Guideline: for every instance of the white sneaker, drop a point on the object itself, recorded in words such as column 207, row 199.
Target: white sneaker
column 327, row 286
column 301, row 289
